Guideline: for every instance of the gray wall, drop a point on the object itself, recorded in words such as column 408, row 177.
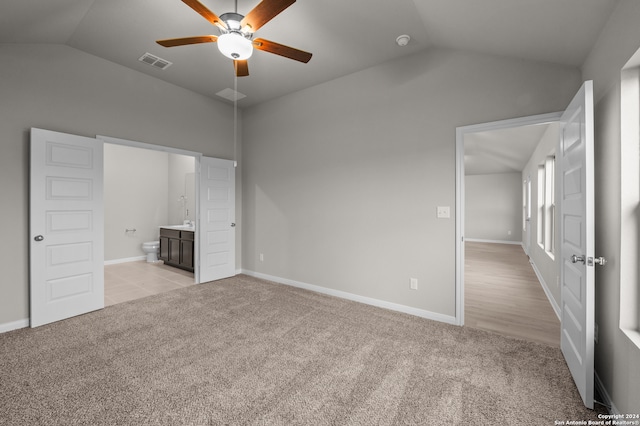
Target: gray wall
column 547, row 266
column 341, row 181
column 617, row 357
column 493, row 207
column 63, row 89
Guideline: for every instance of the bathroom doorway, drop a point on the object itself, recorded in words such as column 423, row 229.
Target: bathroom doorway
column 144, row 189
column 78, row 233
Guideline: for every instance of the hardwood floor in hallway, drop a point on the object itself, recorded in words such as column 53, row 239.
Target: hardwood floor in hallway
column 502, row 294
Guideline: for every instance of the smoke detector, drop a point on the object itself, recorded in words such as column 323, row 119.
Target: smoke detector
column 403, row 40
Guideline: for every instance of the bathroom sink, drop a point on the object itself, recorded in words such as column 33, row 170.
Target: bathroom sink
column 180, row 227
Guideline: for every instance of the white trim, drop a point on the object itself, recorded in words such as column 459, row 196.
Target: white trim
column 356, row 298
column 15, row 325
column 543, row 283
column 608, row 402
column 143, row 145
column 460, row 206
column 480, row 240
column 459, row 213
column 632, row 335
column 124, row 260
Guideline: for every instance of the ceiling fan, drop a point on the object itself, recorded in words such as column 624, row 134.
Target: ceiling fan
column 236, row 33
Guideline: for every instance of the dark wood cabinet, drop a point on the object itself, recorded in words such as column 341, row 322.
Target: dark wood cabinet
column 176, row 248
column 186, row 249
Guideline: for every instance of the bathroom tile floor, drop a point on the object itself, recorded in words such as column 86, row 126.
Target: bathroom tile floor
column 134, row 280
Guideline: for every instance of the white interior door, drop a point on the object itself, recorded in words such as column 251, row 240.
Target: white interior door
column 66, row 226
column 577, row 276
column 217, row 236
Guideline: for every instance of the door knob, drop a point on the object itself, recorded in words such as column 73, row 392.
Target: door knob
column 576, row 259
column 38, row 238
column 233, row 225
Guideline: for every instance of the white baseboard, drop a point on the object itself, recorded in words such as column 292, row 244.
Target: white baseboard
column 543, row 283
column 356, row 298
column 477, row 240
column 605, row 395
column 10, row 326
column 125, row 260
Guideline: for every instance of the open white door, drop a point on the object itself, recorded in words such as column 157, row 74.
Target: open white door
column 66, row 226
column 217, row 236
column 576, row 228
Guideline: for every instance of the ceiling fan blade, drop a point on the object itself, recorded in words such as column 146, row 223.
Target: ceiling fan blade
column 206, row 13
column 265, row 11
column 282, row 50
column 172, row 42
column 242, row 68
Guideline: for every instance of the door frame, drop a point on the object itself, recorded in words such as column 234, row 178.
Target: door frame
column 460, row 204
column 170, row 150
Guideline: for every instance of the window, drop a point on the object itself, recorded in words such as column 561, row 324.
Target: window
column 540, row 206
column 550, row 205
column 524, row 206
column 630, row 200
column 546, row 208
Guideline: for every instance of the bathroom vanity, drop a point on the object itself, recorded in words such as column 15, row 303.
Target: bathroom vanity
column 176, row 246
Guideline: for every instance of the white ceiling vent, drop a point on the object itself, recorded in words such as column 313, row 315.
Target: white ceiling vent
column 155, row 61
column 231, row 94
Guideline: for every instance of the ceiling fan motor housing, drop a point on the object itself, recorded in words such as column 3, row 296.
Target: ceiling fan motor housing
column 232, row 20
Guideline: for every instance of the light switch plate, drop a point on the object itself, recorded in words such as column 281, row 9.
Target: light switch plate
column 443, row 212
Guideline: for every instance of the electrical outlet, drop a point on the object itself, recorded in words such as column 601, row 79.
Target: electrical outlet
column 261, row 257
column 414, row 283
column 443, row 212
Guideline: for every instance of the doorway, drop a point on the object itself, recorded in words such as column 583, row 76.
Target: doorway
column 143, row 189
column 67, row 222
column 493, row 228
column 215, row 214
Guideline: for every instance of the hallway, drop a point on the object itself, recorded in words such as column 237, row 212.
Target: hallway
column 503, row 294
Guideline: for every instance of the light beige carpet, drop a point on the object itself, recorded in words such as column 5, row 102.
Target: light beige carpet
column 245, row 351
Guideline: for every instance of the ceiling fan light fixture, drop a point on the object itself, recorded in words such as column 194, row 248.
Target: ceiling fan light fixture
column 235, row 46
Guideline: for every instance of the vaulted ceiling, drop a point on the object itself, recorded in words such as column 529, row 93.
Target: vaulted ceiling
column 344, row 36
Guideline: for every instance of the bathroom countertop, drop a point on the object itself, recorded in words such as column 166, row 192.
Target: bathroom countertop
column 180, row 227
